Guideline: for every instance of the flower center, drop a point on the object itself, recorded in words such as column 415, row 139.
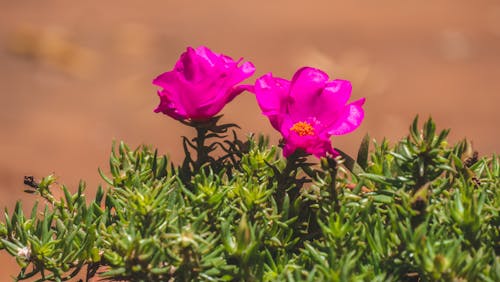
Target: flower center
column 303, row 128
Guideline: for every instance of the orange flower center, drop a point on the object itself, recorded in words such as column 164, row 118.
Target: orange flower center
column 303, row 128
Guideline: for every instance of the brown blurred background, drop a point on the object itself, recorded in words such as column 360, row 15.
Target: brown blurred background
column 76, row 75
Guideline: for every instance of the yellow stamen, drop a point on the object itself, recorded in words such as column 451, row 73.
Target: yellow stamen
column 303, row 128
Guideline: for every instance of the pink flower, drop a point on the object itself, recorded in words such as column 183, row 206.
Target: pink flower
column 200, row 84
column 309, row 109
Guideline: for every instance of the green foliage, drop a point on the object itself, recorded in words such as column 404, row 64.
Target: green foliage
column 420, row 210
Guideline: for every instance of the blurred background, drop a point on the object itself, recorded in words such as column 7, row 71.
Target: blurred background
column 76, row 75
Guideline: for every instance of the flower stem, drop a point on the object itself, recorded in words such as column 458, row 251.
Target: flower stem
column 282, row 183
column 287, row 178
column 201, row 151
column 330, row 165
column 333, row 185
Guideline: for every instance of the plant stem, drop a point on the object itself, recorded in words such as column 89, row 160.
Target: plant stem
column 284, row 180
column 333, row 189
column 201, row 152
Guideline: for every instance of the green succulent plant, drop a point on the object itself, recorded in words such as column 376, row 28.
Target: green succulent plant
column 418, row 210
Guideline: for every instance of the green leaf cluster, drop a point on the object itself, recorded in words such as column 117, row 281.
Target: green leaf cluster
column 418, row 210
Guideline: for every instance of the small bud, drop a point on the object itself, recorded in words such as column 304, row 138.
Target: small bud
column 243, row 235
column 441, row 263
column 186, row 240
column 3, row 229
column 328, row 163
column 324, row 163
column 470, row 161
column 24, row 252
column 420, row 199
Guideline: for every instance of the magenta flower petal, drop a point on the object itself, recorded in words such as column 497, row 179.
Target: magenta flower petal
column 192, row 66
column 332, row 100
column 308, row 110
column 349, row 119
column 200, row 64
column 311, row 145
column 201, row 84
column 176, row 91
column 272, row 95
column 306, row 86
column 168, row 107
column 211, row 108
column 229, row 82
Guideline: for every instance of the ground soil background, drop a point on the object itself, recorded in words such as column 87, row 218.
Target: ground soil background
column 76, row 75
